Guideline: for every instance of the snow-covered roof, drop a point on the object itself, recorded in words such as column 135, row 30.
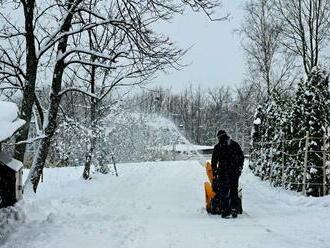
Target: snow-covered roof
column 10, row 162
column 9, row 122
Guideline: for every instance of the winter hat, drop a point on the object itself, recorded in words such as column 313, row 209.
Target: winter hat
column 221, row 133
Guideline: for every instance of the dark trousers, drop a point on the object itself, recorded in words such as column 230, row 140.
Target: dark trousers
column 234, row 199
column 227, row 195
column 224, row 195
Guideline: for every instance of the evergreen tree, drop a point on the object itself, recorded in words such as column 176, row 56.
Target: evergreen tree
column 311, row 114
column 279, row 131
column 269, row 125
column 281, row 125
column 256, row 138
column 295, row 147
column 316, row 101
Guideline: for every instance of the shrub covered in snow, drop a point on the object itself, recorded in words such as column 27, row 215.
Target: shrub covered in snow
column 278, row 136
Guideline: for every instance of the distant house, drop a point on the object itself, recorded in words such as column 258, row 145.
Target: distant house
column 189, row 148
column 187, row 151
column 11, row 188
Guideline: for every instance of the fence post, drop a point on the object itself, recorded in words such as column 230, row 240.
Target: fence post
column 243, row 142
column 305, row 162
column 114, row 166
column 324, row 166
column 271, row 164
column 250, row 158
column 283, row 163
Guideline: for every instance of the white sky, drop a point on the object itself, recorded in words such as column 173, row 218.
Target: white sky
column 215, row 57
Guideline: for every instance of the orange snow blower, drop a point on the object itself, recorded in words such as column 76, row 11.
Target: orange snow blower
column 210, row 194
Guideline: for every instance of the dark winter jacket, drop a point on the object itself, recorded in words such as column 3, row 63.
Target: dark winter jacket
column 227, row 161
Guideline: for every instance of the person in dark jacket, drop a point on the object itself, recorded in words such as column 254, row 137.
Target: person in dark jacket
column 227, row 164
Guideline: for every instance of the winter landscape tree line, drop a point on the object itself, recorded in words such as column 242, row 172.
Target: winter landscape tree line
column 71, row 65
column 286, row 46
column 201, row 112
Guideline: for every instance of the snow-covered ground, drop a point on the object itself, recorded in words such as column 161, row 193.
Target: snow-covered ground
column 162, row 205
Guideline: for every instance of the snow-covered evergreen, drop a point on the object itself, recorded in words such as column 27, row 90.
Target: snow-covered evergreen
column 279, row 136
column 280, row 121
column 316, row 122
column 256, row 137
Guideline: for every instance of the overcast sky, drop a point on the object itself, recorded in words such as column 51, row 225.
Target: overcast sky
column 215, row 57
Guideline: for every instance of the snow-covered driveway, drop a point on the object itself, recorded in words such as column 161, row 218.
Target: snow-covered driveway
column 161, row 205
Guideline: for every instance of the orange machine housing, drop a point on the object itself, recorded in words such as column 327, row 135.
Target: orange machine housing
column 209, row 193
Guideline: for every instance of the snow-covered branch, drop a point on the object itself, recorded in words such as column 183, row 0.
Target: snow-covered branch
column 80, row 91
column 58, row 35
column 29, row 141
column 10, row 88
column 91, row 53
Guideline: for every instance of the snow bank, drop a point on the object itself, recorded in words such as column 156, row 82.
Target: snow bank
column 9, row 122
column 10, row 219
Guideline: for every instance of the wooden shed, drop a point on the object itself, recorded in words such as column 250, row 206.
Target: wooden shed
column 11, row 188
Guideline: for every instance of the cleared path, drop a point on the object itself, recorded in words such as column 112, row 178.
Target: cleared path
column 162, row 205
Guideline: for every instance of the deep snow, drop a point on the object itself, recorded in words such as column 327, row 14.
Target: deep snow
column 162, row 205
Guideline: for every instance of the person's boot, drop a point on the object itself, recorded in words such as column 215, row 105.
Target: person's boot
column 234, row 213
column 225, row 214
column 214, row 208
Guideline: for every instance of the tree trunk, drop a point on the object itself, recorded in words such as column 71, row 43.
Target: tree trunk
column 89, row 155
column 43, row 148
column 31, row 75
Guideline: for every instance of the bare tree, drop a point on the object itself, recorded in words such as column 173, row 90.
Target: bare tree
column 13, row 57
column 102, row 81
column 261, row 41
column 141, row 54
column 305, row 28
column 22, row 58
